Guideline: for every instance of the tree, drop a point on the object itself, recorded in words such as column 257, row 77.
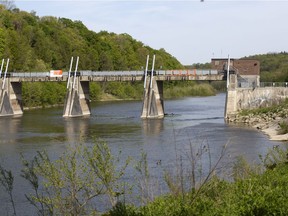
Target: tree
column 70, row 184
column 2, row 43
column 9, row 4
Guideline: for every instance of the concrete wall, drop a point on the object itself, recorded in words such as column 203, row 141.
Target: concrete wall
column 260, row 97
column 240, row 98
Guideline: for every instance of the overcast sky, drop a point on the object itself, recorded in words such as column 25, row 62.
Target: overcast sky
column 190, row 30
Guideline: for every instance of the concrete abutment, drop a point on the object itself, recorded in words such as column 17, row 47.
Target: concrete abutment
column 238, row 99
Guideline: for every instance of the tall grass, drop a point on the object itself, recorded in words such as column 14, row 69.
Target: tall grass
column 203, row 89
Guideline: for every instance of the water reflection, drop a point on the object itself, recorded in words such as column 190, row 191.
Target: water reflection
column 9, row 129
column 76, row 129
column 152, row 126
column 197, row 123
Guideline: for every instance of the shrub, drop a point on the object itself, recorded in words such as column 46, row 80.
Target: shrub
column 283, row 127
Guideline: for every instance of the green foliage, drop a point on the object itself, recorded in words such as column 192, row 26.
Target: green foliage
column 95, row 91
column 283, row 127
column 123, row 210
column 8, row 4
column 124, row 90
column 42, row 43
column 189, row 88
column 70, row 184
column 273, row 66
column 276, row 108
column 145, row 184
column 199, row 66
column 241, row 169
column 251, row 193
column 37, row 94
column 274, row 157
column 7, row 181
column 2, row 43
column 219, row 86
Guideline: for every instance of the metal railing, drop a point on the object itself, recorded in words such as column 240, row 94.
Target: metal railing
column 122, row 73
column 274, row 84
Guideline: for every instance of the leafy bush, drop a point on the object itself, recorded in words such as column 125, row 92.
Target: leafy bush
column 251, row 194
column 70, row 184
column 182, row 89
column 37, row 94
column 283, row 127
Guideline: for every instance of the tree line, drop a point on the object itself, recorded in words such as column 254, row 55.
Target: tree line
column 36, row 43
column 273, row 66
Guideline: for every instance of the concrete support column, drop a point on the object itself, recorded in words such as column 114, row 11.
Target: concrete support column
column 153, row 106
column 77, row 102
column 11, row 98
column 231, row 97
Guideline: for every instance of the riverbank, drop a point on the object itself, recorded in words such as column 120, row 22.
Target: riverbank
column 267, row 120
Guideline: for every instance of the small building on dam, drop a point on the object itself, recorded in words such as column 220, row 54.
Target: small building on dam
column 246, row 70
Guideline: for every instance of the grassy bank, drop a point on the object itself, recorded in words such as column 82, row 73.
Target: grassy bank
column 252, row 191
column 38, row 94
column 255, row 195
column 189, row 88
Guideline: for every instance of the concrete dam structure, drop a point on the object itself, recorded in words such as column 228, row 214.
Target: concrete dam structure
column 243, row 87
column 239, row 98
column 77, row 101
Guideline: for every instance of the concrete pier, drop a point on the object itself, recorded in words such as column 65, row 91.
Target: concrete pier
column 231, row 95
column 77, row 101
column 10, row 98
column 153, row 106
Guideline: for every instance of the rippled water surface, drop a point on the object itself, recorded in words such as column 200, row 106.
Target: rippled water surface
column 191, row 124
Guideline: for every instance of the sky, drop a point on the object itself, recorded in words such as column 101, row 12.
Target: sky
column 191, row 31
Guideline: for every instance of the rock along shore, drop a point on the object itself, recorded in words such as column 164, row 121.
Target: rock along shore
column 265, row 122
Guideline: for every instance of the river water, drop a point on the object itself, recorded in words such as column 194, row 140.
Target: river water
column 192, row 123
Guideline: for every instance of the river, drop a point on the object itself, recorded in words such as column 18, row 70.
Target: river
column 192, row 122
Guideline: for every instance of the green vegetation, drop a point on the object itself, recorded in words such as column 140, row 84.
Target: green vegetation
column 43, row 43
column 283, row 127
column 36, row 94
column 198, row 66
column 270, row 113
column 273, row 66
column 72, row 185
column 275, row 108
column 178, row 89
column 250, row 193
